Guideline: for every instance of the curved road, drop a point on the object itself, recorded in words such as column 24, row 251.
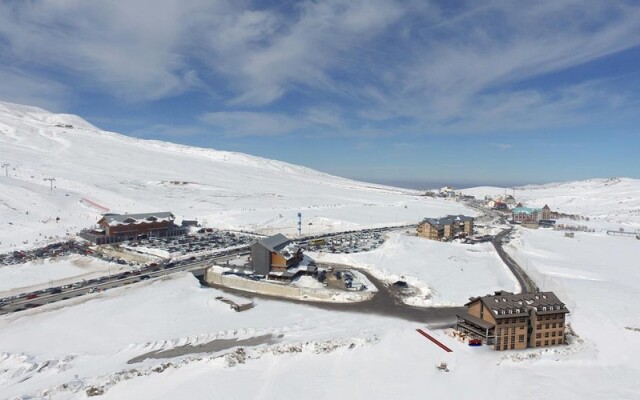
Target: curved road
column 527, row 285
column 385, row 302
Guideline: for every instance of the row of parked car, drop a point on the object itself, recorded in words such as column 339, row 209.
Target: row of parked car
column 49, row 251
column 348, row 243
column 200, row 242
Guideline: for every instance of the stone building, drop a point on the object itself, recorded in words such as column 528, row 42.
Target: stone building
column 448, row 227
column 510, row 321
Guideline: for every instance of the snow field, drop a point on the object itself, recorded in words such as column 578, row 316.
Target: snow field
column 445, row 274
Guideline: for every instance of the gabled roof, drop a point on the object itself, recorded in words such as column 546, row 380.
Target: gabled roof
column 112, row 219
column 448, row 220
column 529, row 210
column 506, row 304
column 275, row 243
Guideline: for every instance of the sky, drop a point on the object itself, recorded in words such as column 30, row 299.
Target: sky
column 402, row 92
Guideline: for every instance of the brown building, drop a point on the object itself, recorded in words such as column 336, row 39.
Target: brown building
column 278, row 257
column 445, row 228
column 528, row 214
column 510, row 321
column 133, row 225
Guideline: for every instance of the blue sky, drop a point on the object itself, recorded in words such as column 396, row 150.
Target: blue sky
column 467, row 92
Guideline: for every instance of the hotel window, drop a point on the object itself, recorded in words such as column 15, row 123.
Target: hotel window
column 546, row 334
column 520, row 338
column 546, row 342
column 553, row 325
column 553, row 333
column 513, row 339
column 505, row 347
column 546, row 326
column 560, row 341
column 553, row 342
column 538, row 335
column 513, row 346
column 537, row 343
column 499, row 332
column 560, row 324
column 513, row 330
column 539, row 326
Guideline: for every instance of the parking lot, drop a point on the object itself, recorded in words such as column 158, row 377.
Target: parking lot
column 50, row 251
column 200, row 244
column 347, row 243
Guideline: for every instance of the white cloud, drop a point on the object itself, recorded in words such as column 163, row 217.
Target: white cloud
column 359, row 65
column 135, row 49
column 18, row 87
column 244, row 123
column 502, row 146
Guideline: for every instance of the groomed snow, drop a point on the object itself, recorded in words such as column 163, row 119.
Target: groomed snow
column 609, row 203
column 445, row 274
column 61, row 350
column 21, row 278
column 97, row 170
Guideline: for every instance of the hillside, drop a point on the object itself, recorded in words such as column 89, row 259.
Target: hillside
column 611, row 203
column 124, row 174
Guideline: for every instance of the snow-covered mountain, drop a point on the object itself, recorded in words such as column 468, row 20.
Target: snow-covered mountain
column 613, row 201
column 96, row 170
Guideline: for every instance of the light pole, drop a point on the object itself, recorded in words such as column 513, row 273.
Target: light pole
column 50, row 180
column 6, row 169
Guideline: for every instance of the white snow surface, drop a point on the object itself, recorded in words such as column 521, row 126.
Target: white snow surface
column 442, row 274
column 609, row 203
column 97, row 170
column 35, row 275
column 61, row 350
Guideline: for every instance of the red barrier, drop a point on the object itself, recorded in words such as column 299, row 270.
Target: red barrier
column 434, row 340
column 94, row 205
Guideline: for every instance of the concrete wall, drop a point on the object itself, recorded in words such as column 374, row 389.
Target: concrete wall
column 260, row 259
column 276, row 289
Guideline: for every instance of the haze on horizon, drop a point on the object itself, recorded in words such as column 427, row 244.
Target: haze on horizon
column 401, row 92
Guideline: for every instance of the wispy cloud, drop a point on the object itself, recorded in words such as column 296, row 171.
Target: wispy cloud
column 244, row 123
column 348, row 67
column 502, row 146
column 23, row 88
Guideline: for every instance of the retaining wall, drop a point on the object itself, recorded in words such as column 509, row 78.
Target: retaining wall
column 283, row 290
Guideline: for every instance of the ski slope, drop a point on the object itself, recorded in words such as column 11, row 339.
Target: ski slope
column 221, row 189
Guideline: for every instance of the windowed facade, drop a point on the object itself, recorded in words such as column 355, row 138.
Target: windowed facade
column 503, row 313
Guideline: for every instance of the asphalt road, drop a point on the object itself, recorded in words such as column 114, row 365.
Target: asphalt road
column 386, row 302
column 526, row 283
column 27, row 301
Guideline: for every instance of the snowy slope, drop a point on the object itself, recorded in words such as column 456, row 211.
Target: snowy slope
column 123, row 174
column 61, row 350
column 443, row 273
column 613, row 202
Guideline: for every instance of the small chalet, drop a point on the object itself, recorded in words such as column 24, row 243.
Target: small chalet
column 278, row 257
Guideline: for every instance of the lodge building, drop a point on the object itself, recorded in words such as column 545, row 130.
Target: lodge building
column 528, row 214
column 448, row 227
column 279, row 258
column 113, row 228
column 510, row 321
